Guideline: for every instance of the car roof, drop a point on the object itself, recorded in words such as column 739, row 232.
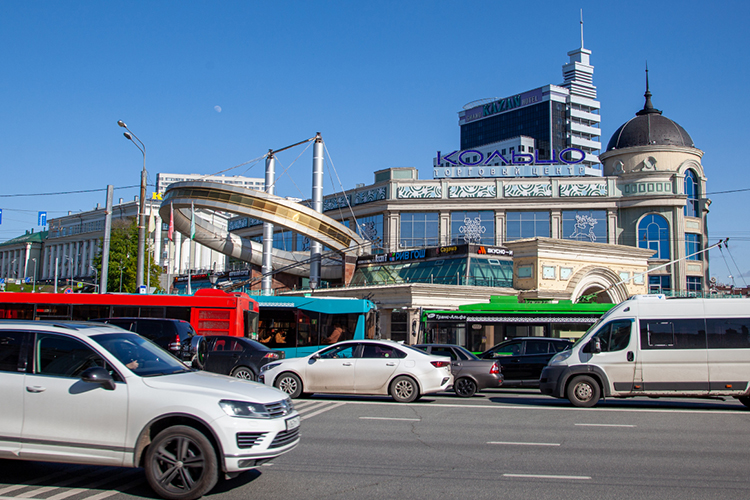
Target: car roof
column 555, row 339
column 75, row 328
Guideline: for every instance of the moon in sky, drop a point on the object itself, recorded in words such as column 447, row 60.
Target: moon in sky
column 218, row 109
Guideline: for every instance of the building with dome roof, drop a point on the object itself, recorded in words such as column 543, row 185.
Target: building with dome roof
column 660, row 177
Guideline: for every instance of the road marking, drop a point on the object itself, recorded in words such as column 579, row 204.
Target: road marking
column 739, row 411
column 38, row 480
column 322, row 410
column 392, row 418
column 605, row 425
column 547, row 476
column 523, row 444
column 309, row 405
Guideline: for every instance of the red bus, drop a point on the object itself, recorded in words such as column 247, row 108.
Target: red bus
column 209, row 311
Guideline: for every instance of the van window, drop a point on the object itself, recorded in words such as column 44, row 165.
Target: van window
column 728, row 333
column 673, row 334
column 615, row 336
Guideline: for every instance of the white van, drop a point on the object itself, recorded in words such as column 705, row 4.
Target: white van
column 653, row 346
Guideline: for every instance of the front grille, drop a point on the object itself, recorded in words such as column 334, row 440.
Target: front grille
column 284, row 438
column 279, row 409
column 249, row 439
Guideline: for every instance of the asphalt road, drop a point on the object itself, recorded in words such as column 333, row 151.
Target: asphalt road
column 504, row 444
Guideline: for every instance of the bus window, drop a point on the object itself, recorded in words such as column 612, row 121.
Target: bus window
column 17, row 311
column 251, row 325
column 53, row 311
column 87, row 312
column 125, row 311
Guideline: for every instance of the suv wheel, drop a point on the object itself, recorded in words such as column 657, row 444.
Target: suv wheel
column 181, row 464
column 244, row 373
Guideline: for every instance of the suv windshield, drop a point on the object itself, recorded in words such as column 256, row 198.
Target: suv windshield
column 141, row 356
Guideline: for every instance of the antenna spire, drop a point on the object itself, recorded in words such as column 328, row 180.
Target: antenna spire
column 581, row 28
column 648, row 108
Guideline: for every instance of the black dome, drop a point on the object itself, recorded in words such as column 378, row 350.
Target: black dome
column 649, row 128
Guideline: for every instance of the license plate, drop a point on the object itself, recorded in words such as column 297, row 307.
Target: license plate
column 293, row 423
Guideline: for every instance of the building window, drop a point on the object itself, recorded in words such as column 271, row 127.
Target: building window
column 473, row 227
column 419, row 229
column 692, row 246
column 653, row 233
column 283, row 240
column 694, row 284
column 585, row 225
column 519, row 225
column 371, row 229
column 659, row 284
column 691, row 190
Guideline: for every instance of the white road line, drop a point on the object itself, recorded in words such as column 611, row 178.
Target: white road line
column 605, row 425
column 38, row 480
column 322, row 410
column 94, row 485
column 523, row 444
column 41, row 491
column 392, row 418
column 311, row 406
column 121, row 489
column 739, row 411
column 547, row 476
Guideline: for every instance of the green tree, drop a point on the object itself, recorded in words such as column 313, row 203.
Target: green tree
column 123, row 259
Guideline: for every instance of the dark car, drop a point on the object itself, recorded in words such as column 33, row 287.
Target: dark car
column 523, row 358
column 236, row 356
column 470, row 374
column 169, row 334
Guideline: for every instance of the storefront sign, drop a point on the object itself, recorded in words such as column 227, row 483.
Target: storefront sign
column 482, row 250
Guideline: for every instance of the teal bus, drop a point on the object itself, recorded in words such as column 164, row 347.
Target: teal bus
column 479, row 327
column 299, row 326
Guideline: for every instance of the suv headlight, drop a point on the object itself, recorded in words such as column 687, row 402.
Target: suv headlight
column 268, row 367
column 560, row 357
column 244, row 409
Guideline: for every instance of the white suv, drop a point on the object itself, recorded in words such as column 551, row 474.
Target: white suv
column 89, row 393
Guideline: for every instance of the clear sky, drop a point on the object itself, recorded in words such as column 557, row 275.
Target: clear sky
column 208, row 86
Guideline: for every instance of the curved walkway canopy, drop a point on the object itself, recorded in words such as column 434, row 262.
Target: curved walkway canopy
column 214, row 196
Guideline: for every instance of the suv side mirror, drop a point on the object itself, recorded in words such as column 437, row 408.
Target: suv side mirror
column 99, row 375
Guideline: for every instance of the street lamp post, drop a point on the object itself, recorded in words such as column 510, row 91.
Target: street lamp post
column 33, row 278
column 96, row 279
column 121, row 268
column 141, row 208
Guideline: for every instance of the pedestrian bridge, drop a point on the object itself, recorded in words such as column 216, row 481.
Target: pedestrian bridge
column 215, row 196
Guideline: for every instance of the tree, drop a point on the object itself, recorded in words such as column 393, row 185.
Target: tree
column 123, row 258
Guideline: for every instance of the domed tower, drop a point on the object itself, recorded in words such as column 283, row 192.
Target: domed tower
column 662, row 203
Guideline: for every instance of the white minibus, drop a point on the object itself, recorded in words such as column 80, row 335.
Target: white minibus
column 650, row 345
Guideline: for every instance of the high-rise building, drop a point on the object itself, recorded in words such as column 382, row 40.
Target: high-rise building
column 163, row 180
column 556, row 117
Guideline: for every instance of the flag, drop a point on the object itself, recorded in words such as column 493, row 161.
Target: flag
column 192, row 221
column 170, row 233
column 151, row 222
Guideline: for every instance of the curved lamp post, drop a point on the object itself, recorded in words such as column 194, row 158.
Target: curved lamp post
column 141, row 208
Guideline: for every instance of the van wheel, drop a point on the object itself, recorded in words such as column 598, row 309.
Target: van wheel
column 583, row 391
column 465, row 387
column 244, row 373
column 289, row 383
column 404, row 389
column 181, row 464
column 745, row 400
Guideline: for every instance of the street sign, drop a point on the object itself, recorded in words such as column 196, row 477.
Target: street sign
column 67, row 290
column 142, row 289
column 27, row 279
column 2, row 280
column 42, row 219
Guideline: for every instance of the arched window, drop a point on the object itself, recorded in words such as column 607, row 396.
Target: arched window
column 691, row 190
column 653, row 233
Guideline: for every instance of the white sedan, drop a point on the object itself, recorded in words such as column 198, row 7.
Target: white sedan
column 362, row 367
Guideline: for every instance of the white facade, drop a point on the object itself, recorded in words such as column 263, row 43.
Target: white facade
column 163, row 180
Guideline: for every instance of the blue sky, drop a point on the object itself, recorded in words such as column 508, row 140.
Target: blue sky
column 211, row 85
